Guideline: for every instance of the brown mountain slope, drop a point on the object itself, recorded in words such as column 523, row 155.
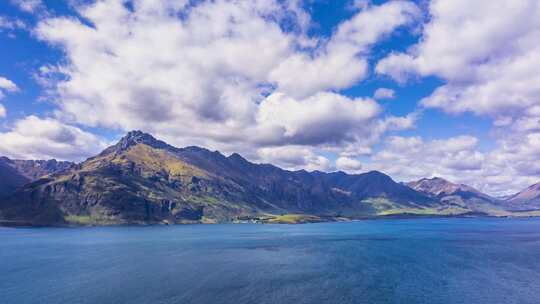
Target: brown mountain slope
column 459, row 195
column 526, row 199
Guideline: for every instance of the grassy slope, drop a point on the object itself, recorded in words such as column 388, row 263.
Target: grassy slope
column 154, row 171
column 293, row 219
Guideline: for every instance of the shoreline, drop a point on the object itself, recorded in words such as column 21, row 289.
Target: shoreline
column 320, row 219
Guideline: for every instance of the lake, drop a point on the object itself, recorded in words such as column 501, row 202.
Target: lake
column 406, row 261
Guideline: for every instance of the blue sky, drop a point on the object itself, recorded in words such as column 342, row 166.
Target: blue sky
column 288, row 82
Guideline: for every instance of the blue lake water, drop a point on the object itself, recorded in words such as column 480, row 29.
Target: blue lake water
column 377, row 261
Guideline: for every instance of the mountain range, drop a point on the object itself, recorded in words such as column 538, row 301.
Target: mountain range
column 142, row 180
column 16, row 173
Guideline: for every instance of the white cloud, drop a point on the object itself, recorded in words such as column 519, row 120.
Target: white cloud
column 359, row 4
column 29, row 6
column 488, row 52
column 364, row 141
column 409, row 158
column 45, row 138
column 398, row 123
column 342, row 62
column 508, row 168
column 488, row 55
column 213, row 76
column 384, row 93
column 10, row 24
column 321, row 118
column 294, row 158
column 348, row 164
column 8, row 85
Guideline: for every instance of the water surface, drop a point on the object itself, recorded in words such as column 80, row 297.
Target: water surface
column 379, row 261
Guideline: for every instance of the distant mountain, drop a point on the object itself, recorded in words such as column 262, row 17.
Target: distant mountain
column 34, row 169
column 145, row 180
column 16, row 173
column 527, row 198
column 10, row 178
column 459, row 195
column 438, row 186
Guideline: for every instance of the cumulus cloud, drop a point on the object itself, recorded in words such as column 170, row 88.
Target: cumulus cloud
column 409, row 158
column 321, row 118
column 359, row 4
column 339, row 63
column 9, row 24
column 45, row 138
column 29, row 6
column 364, row 142
column 294, row 158
column 220, row 75
column 488, row 55
column 384, row 93
column 348, row 164
column 6, row 85
column 488, row 52
column 506, row 169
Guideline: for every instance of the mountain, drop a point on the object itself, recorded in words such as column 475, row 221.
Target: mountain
column 526, row 199
column 10, row 178
column 459, row 195
column 34, row 169
column 144, row 180
column 16, row 173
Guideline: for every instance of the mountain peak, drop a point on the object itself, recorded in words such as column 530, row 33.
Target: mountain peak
column 432, row 182
column 437, row 179
column 136, row 137
column 378, row 175
column 237, row 158
column 441, row 186
column 4, row 159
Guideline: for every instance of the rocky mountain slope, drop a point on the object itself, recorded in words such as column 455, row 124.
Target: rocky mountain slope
column 16, row 173
column 458, row 195
column 34, row 169
column 144, row 180
column 526, row 199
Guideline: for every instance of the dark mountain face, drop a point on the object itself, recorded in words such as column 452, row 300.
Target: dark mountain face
column 144, row 180
column 16, row 173
column 10, row 178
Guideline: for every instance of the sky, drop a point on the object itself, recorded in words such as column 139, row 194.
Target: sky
column 415, row 89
